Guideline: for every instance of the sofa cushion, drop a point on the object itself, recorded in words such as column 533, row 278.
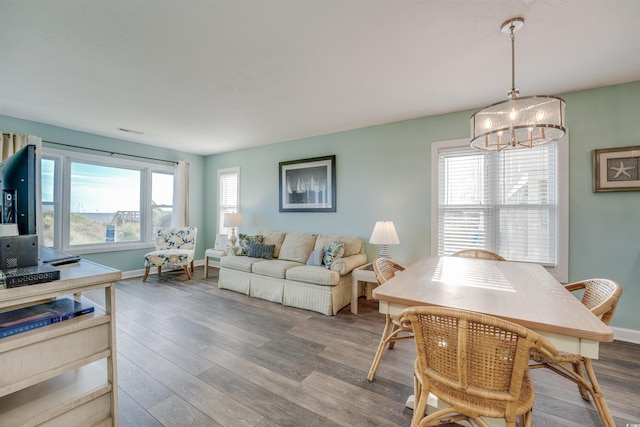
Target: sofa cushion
column 334, row 251
column 273, row 268
column 273, row 238
column 297, row 247
column 352, row 245
column 260, row 250
column 241, row 263
column 314, row 275
column 245, row 241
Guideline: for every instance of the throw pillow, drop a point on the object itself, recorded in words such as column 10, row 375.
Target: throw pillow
column 335, row 250
column 260, row 250
column 316, row 257
column 245, row 241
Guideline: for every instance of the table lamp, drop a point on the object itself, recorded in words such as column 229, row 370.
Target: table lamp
column 233, row 220
column 384, row 233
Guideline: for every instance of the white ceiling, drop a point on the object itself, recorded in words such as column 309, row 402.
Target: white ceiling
column 210, row 76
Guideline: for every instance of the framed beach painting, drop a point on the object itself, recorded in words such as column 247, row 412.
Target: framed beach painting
column 308, row 185
column 616, row 169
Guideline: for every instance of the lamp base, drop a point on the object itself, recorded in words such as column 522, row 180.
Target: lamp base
column 233, row 239
column 384, row 252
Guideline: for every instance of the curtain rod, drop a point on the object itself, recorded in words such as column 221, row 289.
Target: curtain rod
column 110, row 152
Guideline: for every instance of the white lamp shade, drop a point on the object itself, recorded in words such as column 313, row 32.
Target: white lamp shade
column 232, row 220
column 384, row 233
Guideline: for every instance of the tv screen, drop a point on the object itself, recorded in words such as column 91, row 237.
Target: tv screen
column 18, row 183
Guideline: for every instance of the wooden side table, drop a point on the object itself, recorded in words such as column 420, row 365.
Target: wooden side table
column 361, row 274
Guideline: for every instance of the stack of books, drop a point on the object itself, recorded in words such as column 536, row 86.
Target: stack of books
column 28, row 318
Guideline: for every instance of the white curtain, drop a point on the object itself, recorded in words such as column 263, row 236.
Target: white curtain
column 12, row 142
column 180, row 214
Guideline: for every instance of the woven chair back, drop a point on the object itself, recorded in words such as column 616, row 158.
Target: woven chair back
column 385, row 269
column 478, row 254
column 601, row 296
column 461, row 352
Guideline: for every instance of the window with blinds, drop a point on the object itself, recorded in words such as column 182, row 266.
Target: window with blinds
column 228, row 195
column 506, row 202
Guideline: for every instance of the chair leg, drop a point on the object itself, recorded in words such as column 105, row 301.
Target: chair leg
column 394, row 330
column 191, row 267
column 598, row 397
column 186, row 269
column 577, row 368
column 206, row 267
column 381, row 345
column 146, row 274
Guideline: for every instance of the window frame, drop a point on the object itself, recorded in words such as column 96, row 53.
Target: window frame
column 219, row 218
column 62, row 198
column 561, row 270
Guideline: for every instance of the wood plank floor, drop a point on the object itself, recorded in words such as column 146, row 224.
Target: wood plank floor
column 190, row 354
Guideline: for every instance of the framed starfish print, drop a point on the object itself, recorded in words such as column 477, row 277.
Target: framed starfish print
column 616, row 169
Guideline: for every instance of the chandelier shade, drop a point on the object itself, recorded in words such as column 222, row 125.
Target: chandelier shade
column 518, row 122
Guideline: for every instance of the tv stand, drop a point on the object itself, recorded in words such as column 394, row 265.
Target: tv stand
column 64, row 373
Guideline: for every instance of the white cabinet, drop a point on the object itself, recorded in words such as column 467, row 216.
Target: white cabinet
column 63, row 374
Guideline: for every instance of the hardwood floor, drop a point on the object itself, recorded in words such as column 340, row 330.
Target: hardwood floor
column 190, row 354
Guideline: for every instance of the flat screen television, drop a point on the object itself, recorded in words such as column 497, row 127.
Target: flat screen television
column 18, row 183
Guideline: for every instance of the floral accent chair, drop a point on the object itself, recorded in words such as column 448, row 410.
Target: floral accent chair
column 175, row 248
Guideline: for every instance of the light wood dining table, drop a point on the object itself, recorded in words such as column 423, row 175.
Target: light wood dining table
column 523, row 293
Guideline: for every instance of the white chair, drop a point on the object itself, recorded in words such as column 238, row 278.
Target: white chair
column 175, row 248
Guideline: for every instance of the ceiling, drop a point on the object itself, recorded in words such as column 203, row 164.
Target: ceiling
column 211, row 76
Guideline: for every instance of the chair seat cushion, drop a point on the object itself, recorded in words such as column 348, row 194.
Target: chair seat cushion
column 180, row 257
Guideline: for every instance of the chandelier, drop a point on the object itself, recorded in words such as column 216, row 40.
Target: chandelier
column 518, row 122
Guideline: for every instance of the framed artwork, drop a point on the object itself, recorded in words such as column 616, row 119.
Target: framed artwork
column 308, row 185
column 616, row 169
column 222, row 242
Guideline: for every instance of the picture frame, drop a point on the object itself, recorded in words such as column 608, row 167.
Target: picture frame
column 616, row 169
column 308, row 185
column 222, row 242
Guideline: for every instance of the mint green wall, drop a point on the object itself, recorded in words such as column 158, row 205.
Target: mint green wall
column 384, row 172
column 130, row 259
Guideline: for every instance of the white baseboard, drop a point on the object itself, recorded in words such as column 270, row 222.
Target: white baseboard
column 627, row 335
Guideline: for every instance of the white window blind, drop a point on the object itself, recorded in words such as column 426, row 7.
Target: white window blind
column 504, row 202
column 228, row 195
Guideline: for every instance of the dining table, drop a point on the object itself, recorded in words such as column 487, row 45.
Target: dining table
column 523, row 293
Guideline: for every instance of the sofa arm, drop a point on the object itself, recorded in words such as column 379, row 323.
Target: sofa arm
column 346, row 265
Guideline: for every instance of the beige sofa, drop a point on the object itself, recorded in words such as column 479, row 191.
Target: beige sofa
column 288, row 280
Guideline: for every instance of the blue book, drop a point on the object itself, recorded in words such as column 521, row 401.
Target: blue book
column 28, row 318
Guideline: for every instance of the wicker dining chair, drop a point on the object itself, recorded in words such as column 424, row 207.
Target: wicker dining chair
column 385, row 269
column 601, row 296
column 478, row 254
column 476, row 363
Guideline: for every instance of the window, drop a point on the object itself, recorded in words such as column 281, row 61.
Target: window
column 228, row 195
column 513, row 203
column 98, row 203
